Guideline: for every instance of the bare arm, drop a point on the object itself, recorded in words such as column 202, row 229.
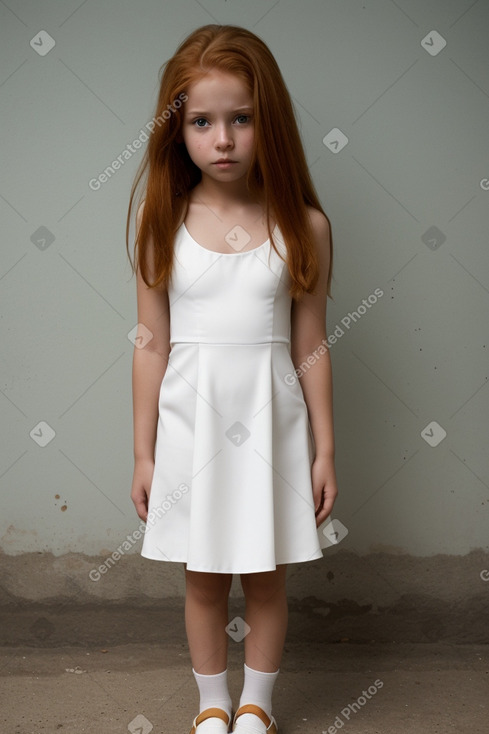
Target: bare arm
column 148, row 368
column 308, row 333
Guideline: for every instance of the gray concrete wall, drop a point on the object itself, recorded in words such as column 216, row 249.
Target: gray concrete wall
column 47, row 600
column 403, row 88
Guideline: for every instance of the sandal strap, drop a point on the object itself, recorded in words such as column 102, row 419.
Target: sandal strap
column 207, row 714
column 251, row 708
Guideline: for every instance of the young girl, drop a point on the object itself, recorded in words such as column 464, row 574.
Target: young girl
column 234, row 454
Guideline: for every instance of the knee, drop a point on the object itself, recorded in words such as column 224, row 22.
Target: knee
column 207, row 588
column 261, row 588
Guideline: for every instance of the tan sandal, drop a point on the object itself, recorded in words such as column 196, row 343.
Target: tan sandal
column 250, row 708
column 211, row 713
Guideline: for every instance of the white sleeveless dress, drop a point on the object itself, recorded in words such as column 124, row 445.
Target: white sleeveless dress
column 231, row 490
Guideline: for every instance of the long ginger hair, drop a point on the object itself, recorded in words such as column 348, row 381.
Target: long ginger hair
column 278, row 173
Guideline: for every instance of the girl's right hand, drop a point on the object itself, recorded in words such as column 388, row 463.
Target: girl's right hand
column 141, row 486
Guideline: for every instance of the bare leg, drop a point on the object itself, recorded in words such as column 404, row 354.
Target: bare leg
column 267, row 616
column 206, row 617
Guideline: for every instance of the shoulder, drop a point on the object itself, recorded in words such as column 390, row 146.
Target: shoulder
column 139, row 213
column 139, row 221
column 321, row 229
column 319, row 222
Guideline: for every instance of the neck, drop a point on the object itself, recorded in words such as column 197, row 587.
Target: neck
column 223, row 194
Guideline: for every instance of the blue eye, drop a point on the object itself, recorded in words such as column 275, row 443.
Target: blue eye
column 200, row 119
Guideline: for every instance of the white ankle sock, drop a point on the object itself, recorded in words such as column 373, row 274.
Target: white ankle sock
column 213, row 690
column 257, row 689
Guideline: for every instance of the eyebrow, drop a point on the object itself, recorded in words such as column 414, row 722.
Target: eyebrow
column 203, row 112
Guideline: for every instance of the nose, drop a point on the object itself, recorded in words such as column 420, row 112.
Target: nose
column 224, row 138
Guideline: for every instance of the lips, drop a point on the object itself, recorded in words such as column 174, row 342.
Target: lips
column 224, row 160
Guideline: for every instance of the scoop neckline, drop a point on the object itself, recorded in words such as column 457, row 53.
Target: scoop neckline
column 226, row 254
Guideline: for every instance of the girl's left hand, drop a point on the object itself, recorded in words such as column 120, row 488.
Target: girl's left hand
column 324, row 489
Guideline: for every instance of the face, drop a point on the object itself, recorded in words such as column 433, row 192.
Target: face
column 217, row 124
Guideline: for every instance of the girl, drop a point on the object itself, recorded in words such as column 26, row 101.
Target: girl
column 234, row 456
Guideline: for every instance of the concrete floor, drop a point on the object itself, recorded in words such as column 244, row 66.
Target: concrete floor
column 147, row 687
column 78, row 656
